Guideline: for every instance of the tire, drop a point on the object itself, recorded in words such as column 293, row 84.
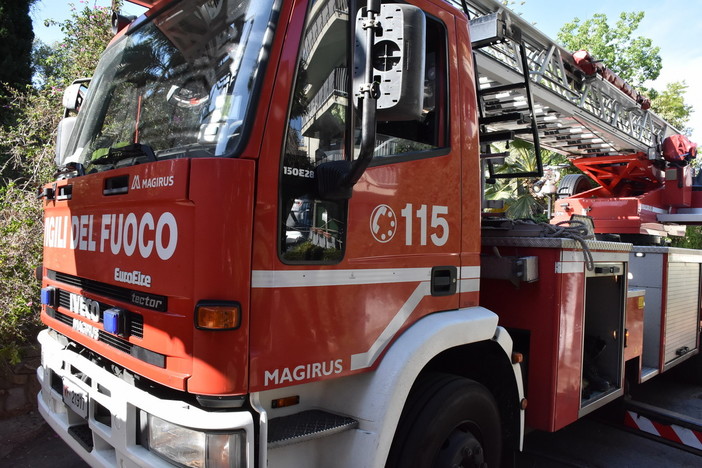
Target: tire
column 572, row 184
column 448, row 421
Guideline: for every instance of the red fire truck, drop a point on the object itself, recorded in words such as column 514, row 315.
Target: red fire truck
column 264, row 243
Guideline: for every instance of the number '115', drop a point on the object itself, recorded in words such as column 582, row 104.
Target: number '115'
column 438, row 224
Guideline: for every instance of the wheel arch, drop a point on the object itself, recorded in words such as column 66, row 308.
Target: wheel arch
column 377, row 398
column 436, row 342
column 495, row 371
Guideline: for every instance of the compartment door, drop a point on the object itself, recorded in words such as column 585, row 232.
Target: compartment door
column 682, row 310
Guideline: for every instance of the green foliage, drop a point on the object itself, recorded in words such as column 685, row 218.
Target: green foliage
column 26, row 147
column 16, row 36
column 26, row 163
column 512, row 3
column 87, row 33
column 670, row 105
column 520, row 195
column 635, row 59
column 20, row 249
column 691, row 240
column 27, row 154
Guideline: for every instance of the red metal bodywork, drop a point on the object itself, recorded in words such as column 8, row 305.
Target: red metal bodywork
column 622, row 176
column 303, row 326
column 206, row 264
column 556, row 319
column 146, row 3
column 633, row 190
column 620, row 215
column 552, row 311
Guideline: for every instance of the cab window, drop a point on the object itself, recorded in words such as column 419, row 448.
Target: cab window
column 313, row 230
column 428, row 132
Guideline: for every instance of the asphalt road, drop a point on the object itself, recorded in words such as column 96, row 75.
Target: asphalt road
column 590, row 443
column 28, row 442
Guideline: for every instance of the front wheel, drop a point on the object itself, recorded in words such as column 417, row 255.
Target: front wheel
column 448, row 421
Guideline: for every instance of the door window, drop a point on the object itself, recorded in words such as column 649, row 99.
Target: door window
column 313, row 230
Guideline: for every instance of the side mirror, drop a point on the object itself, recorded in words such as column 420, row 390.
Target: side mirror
column 119, row 22
column 73, row 96
column 397, row 57
column 388, row 83
column 63, row 134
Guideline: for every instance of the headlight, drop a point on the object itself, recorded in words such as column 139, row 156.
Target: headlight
column 188, row 447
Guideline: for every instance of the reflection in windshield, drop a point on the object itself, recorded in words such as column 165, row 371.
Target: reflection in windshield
column 180, row 85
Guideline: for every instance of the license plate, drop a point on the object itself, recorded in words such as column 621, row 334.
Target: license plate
column 75, row 398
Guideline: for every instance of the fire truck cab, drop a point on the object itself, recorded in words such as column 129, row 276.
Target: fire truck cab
column 264, row 248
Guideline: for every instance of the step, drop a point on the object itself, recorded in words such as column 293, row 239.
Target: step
column 502, row 155
column 305, row 426
column 491, row 137
column 501, row 88
column 83, row 435
column 518, row 117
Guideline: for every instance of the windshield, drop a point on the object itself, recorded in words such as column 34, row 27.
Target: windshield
column 178, row 86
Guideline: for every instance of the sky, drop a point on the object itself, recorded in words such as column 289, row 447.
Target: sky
column 674, row 25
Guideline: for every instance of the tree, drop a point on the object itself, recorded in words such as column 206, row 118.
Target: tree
column 635, row 59
column 670, row 105
column 16, row 37
column 26, row 162
column 521, row 196
column 86, row 34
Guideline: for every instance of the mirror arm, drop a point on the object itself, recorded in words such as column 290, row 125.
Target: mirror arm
column 68, row 170
column 370, row 92
column 365, row 154
column 336, row 179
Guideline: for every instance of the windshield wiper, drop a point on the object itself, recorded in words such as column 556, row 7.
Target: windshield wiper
column 193, row 150
column 117, row 154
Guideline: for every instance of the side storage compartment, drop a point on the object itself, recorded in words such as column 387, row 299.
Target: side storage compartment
column 682, row 307
column 603, row 341
column 671, row 277
column 567, row 320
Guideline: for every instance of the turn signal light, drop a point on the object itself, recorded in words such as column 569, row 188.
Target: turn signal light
column 287, row 401
column 218, row 315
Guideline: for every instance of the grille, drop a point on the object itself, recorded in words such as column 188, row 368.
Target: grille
column 136, row 321
column 116, row 342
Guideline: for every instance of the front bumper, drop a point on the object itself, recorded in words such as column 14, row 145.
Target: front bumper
column 109, row 435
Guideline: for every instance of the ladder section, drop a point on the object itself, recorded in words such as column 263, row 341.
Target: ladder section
column 577, row 113
column 506, row 109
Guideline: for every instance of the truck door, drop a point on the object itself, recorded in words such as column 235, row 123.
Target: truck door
column 350, row 275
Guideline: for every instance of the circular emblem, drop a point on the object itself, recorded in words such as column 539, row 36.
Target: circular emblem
column 383, row 223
